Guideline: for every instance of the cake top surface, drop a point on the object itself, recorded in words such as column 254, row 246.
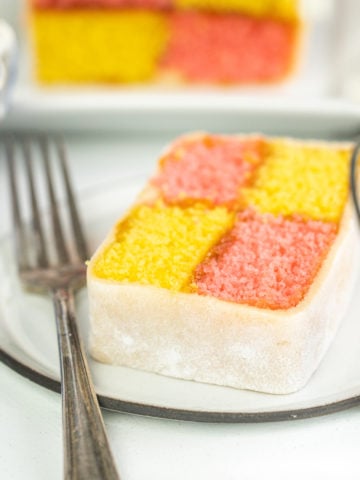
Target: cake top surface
column 247, row 220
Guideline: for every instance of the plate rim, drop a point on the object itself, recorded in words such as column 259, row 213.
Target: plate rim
column 201, row 416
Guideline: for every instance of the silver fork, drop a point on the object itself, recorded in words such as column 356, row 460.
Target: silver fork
column 87, row 453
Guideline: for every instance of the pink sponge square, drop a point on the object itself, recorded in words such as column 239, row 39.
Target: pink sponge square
column 210, row 168
column 265, row 261
column 228, row 48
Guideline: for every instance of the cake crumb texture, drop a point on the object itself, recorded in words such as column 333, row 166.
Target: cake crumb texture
column 283, row 9
column 160, row 41
column 91, row 45
column 309, row 181
column 265, row 261
column 161, row 246
column 103, row 4
column 210, row 168
column 228, row 48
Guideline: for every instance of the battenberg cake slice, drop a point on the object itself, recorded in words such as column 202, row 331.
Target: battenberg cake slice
column 234, row 267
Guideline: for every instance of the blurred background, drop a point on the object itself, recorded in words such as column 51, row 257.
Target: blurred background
column 172, row 64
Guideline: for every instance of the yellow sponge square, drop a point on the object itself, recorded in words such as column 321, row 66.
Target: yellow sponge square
column 306, row 180
column 161, row 246
column 98, row 45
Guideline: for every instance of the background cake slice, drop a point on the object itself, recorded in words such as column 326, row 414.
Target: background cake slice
column 167, row 41
column 234, row 267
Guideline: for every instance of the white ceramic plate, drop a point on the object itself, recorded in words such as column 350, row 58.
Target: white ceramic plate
column 28, row 345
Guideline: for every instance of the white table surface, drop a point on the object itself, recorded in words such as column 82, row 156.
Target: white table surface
column 148, row 448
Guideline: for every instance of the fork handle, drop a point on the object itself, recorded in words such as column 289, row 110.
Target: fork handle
column 87, row 453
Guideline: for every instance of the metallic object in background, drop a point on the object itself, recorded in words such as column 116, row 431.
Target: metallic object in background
column 7, row 63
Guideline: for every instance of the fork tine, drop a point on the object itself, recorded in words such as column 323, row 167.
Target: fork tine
column 19, row 227
column 79, row 236
column 39, row 244
column 62, row 252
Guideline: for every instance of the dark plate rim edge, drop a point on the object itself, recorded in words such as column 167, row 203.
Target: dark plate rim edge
column 204, row 416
